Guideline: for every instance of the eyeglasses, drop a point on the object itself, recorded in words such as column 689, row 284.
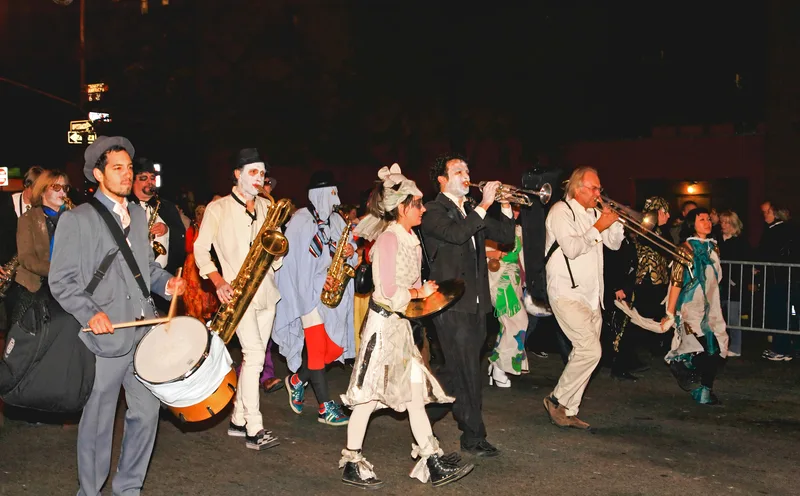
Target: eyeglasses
column 599, row 189
column 58, row 187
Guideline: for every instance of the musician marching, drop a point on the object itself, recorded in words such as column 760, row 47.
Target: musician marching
column 455, row 234
column 576, row 234
column 83, row 241
column 230, row 225
column 316, row 239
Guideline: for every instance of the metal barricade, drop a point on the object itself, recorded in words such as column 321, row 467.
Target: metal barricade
column 761, row 296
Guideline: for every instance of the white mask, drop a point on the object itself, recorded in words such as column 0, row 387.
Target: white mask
column 324, row 199
column 247, row 183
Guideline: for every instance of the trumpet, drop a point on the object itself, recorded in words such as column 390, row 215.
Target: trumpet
column 643, row 225
column 511, row 194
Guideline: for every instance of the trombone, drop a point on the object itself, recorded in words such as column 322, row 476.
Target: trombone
column 519, row 196
column 643, row 225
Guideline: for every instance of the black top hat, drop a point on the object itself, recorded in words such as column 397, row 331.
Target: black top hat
column 321, row 179
column 247, row 156
column 143, row 164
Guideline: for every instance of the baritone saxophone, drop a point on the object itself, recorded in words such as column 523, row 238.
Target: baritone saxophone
column 268, row 244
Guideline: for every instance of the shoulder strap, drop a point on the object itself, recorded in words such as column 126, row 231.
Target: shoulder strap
column 119, row 237
column 101, row 272
column 554, row 247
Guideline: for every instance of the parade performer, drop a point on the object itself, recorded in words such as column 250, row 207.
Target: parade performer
column 389, row 372
column 455, row 234
column 505, row 284
column 83, row 243
column 575, row 287
column 302, row 319
column 693, row 306
column 230, row 225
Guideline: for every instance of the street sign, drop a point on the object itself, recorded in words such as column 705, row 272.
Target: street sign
column 81, row 126
column 3, row 176
column 76, row 138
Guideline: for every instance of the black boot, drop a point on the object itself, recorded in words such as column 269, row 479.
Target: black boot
column 444, row 472
column 351, row 477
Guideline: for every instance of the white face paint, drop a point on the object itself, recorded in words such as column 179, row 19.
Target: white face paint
column 457, row 177
column 252, row 175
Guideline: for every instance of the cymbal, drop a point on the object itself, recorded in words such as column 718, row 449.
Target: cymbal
column 449, row 292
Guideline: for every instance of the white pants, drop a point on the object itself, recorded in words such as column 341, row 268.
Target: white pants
column 582, row 326
column 254, row 331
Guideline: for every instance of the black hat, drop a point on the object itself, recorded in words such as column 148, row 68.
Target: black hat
column 143, row 164
column 98, row 148
column 247, row 156
column 321, row 179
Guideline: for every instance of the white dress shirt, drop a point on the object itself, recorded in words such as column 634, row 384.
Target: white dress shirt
column 582, row 244
column 228, row 227
column 20, row 207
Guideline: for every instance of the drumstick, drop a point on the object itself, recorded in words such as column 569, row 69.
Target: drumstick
column 134, row 323
column 173, row 305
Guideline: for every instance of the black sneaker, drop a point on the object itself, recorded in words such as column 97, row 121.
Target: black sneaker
column 236, row 430
column 261, row 441
column 352, row 477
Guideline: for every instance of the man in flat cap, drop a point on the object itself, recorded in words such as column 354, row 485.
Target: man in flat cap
column 230, row 225
column 168, row 228
column 84, row 242
column 302, row 319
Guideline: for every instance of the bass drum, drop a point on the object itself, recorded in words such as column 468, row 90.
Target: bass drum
column 187, row 367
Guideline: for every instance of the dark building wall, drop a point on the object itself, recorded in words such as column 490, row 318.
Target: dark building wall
column 783, row 104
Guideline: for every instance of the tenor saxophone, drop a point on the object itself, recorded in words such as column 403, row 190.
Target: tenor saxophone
column 340, row 271
column 268, row 244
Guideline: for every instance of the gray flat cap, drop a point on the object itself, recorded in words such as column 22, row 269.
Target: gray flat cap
column 98, row 148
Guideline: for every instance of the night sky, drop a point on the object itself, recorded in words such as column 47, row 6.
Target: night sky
column 325, row 81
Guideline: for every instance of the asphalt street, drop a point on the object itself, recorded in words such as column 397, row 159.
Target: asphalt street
column 648, row 438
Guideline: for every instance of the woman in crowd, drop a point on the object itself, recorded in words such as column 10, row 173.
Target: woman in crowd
column 200, row 297
column 35, row 234
column 388, row 370
column 693, row 306
column 505, row 286
column 733, row 247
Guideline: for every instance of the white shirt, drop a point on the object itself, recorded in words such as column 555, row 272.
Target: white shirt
column 20, row 207
column 580, row 241
column 228, row 227
column 163, row 239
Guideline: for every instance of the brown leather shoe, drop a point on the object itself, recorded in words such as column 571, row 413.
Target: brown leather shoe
column 576, row 423
column 558, row 414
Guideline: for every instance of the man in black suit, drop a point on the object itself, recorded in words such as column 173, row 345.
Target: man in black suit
column 455, row 235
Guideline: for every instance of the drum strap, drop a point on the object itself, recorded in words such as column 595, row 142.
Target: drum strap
column 100, row 273
column 119, row 237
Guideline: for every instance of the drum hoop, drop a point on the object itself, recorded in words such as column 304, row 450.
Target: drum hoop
column 191, row 371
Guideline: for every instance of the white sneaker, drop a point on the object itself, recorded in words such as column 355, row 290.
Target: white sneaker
column 498, row 378
column 733, row 354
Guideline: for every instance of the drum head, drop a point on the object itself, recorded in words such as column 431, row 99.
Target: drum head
column 166, row 355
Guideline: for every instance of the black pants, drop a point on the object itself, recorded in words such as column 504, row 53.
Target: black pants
column 462, row 336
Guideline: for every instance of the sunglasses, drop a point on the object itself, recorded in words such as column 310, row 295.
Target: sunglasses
column 59, row 187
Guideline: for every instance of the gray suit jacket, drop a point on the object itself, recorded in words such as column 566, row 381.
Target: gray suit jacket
column 82, row 240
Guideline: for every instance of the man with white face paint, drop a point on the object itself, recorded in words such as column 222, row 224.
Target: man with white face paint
column 455, row 235
column 327, row 333
column 229, row 225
